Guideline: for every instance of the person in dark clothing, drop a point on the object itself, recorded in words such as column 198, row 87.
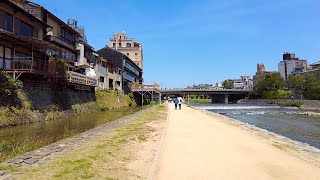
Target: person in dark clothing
column 176, row 102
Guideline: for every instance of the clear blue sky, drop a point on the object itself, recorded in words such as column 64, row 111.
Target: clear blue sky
column 201, row 41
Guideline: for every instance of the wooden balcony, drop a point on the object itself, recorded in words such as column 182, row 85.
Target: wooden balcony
column 24, row 64
column 77, row 78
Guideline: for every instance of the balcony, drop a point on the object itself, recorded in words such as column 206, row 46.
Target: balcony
column 77, row 78
column 24, row 64
column 61, row 42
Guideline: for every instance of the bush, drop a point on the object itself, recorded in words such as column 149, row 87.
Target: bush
column 278, row 94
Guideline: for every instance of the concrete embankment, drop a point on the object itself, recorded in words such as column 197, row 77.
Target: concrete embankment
column 43, row 105
column 203, row 145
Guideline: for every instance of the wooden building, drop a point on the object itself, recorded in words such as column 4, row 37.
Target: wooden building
column 35, row 45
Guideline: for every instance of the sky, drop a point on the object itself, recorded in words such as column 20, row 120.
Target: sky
column 201, row 41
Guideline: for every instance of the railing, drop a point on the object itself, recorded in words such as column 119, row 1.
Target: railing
column 77, row 78
column 58, row 40
column 25, row 64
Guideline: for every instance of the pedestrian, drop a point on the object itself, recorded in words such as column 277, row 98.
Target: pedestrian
column 176, row 102
column 179, row 102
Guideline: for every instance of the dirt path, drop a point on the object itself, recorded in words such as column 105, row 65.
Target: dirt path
column 200, row 146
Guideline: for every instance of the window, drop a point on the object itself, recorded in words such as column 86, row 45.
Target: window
column 67, row 37
column 120, row 37
column 128, row 45
column 138, row 64
column 6, row 21
column 114, row 44
column 31, row 11
column 120, row 44
column 128, row 54
column 101, row 79
column 25, row 29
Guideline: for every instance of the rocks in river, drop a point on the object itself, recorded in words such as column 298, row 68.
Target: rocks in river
column 309, row 113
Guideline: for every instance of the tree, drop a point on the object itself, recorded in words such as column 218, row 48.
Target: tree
column 227, row 84
column 272, row 81
column 311, row 87
column 295, row 82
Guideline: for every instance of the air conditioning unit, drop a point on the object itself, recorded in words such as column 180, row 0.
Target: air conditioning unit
column 78, row 48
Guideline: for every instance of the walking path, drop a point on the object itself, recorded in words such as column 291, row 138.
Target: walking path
column 199, row 146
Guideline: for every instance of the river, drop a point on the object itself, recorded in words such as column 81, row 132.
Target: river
column 56, row 129
column 281, row 120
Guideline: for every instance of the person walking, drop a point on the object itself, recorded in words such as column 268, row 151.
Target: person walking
column 179, row 102
column 176, row 102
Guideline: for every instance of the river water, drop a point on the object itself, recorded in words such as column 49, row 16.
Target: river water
column 56, row 129
column 277, row 119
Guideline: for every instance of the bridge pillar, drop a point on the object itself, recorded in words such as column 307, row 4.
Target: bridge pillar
column 220, row 98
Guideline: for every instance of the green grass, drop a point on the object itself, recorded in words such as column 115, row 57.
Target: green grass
column 198, row 100
column 105, row 156
column 292, row 103
column 12, row 149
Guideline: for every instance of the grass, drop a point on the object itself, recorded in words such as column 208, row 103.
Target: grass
column 106, row 156
column 292, row 103
column 199, row 100
column 10, row 149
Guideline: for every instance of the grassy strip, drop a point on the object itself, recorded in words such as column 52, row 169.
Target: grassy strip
column 106, row 156
column 199, row 100
column 292, row 103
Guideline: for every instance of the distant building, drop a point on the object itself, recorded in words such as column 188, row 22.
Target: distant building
column 290, row 65
column 244, row 83
column 261, row 73
column 128, row 47
column 127, row 71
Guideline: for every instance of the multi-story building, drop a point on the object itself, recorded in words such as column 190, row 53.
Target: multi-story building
column 290, row 65
column 129, row 47
column 261, row 73
column 38, row 42
column 128, row 71
column 244, row 83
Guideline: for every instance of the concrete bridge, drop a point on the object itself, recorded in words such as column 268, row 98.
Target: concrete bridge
column 217, row 95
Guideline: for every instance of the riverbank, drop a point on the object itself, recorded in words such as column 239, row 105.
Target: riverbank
column 198, row 100
column 307, row 105
column 43, row 106
column 118, row 150
column 199, row 144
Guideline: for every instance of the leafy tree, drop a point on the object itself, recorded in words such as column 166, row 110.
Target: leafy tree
column 227, row 84
column 295, row 82
column 311, row 87
column 272, row 81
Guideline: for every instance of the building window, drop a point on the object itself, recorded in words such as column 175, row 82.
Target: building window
column 138, row 64
column 128, row 54
column 120, row 44
column 31, row 11
column 25, row 29
column 67, row 37
column 128, row 45
column 6, row 21
column 101, row 79
column 114, row 44
column 120, row 37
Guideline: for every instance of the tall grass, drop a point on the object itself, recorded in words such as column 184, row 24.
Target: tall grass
column 11, row 149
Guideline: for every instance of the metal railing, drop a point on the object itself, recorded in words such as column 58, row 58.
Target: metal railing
column 77, row 78
column 25, row 64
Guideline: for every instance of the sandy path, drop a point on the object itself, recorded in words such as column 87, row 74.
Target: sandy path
column 199, row 146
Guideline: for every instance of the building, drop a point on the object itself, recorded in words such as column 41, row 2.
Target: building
column 261, row 73
column 127, row 71
column 37, row 42
column 129, row 47
column 245, row 82
column 290, row 65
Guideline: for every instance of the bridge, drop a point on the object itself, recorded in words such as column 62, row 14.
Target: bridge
column 217, row 95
